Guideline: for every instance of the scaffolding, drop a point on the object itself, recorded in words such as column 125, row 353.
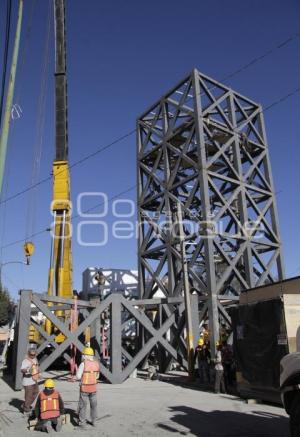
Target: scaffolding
column 203, row 146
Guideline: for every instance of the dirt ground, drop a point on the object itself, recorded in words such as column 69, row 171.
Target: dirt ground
column 154, row 408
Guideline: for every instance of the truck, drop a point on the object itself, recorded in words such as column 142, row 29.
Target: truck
column 265, row 327
column 290, row 390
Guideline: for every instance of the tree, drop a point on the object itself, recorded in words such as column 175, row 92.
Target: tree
column 6, row 306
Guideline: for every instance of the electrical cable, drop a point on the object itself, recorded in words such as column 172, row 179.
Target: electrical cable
column 277, row 102
column 119, row 139
column 109, row 145
column 80, row 161
column 128, row 134
column 42, row 231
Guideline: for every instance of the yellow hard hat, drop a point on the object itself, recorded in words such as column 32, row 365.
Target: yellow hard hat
column 88, row 351
column 49, row 383
column 200, row 342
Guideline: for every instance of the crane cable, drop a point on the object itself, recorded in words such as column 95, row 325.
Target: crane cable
column 39, row 133
column 19, row 90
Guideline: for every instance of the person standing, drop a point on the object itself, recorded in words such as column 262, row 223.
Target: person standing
column 203, row 356
column 227, row 357
column 88, row 373
column 48, row 408
column 31, row 373
column 219, row 371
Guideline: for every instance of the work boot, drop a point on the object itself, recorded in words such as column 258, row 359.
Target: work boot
column 58, row 426
column 82, row 426
column 48, row 428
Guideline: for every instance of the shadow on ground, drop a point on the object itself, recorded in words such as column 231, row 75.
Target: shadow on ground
column 17, row 403
column 194, row 384
column 190, row 421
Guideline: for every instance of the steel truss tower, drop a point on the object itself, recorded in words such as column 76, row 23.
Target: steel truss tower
column 204, row 145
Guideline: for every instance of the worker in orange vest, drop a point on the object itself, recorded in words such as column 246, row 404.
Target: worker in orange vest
column 88, row 373
column 31, row 374
column 48, row 408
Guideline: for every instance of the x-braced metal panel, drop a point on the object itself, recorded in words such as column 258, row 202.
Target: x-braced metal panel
column 158, row 324
column 204, row 145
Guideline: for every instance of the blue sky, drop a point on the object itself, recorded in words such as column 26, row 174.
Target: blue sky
column 122, row 56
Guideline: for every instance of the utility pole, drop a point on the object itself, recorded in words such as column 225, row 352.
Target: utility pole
column 187, row 297
column 10, row 95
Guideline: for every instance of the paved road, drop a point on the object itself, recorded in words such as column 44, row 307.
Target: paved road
column 154, row 408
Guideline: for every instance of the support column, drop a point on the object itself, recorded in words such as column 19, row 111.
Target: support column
column 116, row 339
column 21, row 335
column 212, row 298
column 195, row 319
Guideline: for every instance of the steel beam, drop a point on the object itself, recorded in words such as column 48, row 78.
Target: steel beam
column 116, row 340
column 22, row 332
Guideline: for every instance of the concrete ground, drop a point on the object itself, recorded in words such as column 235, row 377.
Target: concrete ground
column 155, row 408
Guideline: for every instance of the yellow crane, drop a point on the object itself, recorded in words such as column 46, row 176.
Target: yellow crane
column 60, row 270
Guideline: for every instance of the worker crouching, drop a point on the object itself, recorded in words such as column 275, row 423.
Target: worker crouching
column 88, row 374
column 49, row 408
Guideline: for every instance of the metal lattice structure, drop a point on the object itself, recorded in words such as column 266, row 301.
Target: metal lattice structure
column 159, row 326
column 116, row 281
column 204, row 145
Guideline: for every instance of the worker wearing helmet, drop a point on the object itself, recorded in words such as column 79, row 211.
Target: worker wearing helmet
column 202, row 354
column 31, row 373
column 88, row 373
column 48, row 408
column 219, row 370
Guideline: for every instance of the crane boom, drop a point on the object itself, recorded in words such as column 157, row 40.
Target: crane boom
column 60, row 271
column 61, row 98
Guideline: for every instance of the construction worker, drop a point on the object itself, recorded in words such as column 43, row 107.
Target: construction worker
column 88, row 373
column 31, row 374
column 48, row 408
column 219, row 371
column 228, row 363
column 223, row 333
column 203, row 357
column 205, row 333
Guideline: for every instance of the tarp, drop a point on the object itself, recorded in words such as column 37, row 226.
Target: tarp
column 259, row 341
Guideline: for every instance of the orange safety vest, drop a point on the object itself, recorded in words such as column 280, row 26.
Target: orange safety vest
column 34, row 370
column 49, row 405
column 89, row 376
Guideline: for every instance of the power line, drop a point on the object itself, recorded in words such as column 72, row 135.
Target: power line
column 263, row 56
column 282, row 99
column 100, row 150
column 76, row 216
column 116, row 196
column 118, row 140
column 13, row 243
column 128, row 134
column 76, row 163
column 276, row 102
